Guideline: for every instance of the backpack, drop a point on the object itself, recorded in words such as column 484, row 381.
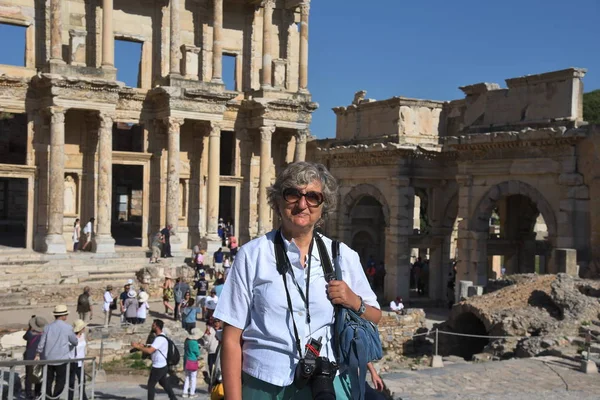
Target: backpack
column 356, row 340
column 178, row 294
column 173, row 357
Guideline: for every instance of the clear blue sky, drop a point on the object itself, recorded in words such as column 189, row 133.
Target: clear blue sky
column 421, row 49
column 427, row 49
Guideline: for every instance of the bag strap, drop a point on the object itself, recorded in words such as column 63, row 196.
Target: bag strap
column 324, row 256
column 283, row 265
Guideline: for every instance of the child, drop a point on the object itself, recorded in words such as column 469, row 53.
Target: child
column 190, row 362
column 143, row 307
column 226, row 267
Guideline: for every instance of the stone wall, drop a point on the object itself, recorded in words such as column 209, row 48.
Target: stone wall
column 396, row 333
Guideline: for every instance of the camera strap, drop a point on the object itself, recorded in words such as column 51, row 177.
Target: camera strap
column 283, row 266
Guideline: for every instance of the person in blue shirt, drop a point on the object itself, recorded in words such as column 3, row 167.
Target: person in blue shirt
column 218, row 261
column 189, row 313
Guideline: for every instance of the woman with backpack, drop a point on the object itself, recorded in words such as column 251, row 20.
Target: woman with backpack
column 278, row 297
column 190, row 362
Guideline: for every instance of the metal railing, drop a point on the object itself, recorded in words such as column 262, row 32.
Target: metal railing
column 14, row 388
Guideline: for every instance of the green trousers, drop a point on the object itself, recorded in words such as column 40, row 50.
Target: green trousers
column 255, row 389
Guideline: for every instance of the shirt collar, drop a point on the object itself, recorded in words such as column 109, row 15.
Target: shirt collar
column 292, row 247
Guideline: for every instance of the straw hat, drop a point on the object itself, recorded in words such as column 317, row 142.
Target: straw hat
column 78, row 325
column 196, row 334
column 132, row 293
column 60, row 310
column 144, row 297
column 37, row 324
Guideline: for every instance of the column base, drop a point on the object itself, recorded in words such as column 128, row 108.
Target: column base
column 103, row 244
column 211, row 242
column 109, row 72
column 55, row 244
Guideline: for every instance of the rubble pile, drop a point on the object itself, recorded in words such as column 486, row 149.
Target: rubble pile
column 542, row 315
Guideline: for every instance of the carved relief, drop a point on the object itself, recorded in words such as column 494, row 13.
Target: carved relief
column 266, row 133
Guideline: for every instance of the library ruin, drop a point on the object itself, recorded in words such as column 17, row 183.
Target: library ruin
column 503, row 178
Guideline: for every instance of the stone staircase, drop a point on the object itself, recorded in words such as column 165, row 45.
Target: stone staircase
column 35, row 279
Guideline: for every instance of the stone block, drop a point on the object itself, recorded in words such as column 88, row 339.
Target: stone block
column 565, row 261
column 588, row 367
column 463, row 289
column 475, row 291
column 279, row 73
column 579, row 192
column 570, row 179
column 437, row 362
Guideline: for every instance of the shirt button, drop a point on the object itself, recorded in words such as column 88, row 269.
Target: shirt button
column 300, row 313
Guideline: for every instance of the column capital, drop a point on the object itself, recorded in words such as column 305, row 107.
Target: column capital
column 268, row 3
column 106, row 119
column 57, row 114
column 302, row 135
column 173, row 124
column 305, row 8
column 266, row 132
column 214, row 130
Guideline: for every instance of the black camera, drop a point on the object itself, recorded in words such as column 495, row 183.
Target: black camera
column 317, row 372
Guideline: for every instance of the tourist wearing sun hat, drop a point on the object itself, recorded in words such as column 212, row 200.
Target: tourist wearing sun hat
column 190, row 362
column 77, row 352
column 130, row 307
column 143, row 307
column 32, row 337
column 57, row 340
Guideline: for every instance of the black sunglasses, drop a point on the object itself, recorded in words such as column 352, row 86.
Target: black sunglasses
column 313, row 199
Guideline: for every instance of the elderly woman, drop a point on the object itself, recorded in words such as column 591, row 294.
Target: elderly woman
column 260, row 350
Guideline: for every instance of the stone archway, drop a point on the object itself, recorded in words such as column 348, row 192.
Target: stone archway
column 513, row 240
column 479, row 221
column 363, row 190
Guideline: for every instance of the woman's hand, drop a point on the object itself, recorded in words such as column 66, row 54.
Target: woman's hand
column 377, row 382
column 340, row 294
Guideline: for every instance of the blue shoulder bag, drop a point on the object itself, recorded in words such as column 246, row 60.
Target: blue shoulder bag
column 356, row 340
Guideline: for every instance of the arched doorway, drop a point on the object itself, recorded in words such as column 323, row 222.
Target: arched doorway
column 515, row 230
column 368, row 230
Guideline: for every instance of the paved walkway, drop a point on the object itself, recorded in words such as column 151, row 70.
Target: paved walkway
column 545, row 378
column 526, row 379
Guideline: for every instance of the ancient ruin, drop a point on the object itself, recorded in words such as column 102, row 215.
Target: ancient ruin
column 503, row 177
column 181, row 148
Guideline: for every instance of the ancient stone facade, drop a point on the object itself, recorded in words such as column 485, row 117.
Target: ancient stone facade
column 502, row 173
column 178, row 149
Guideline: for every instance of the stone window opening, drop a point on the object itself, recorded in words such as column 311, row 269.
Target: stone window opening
column 227, row 204
column 128, row 61
column 128, row 137
column 127, row 204
column 13, row 42
column 13, row 212
column 227, row 159
column 230, row 72
column 13, row 138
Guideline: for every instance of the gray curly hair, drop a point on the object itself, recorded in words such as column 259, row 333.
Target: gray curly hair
column 301, row 174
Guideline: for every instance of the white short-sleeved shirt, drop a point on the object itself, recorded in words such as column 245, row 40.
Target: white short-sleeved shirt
column 142, row 310
column 107, row 300
column 254, row 300
column 396, row 306
column 159, row 357
column 211, row 302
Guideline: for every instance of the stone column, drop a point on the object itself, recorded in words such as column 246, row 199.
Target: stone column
column 214, row 178
column 303, row 75
column 174, row 59
column 173, row 161
column 267, row 74
column 103, row 241
column 56, row 32
column 300, row 151
column 108, row 39
column 55, row 242
column 266, row 133
column 217, row 68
